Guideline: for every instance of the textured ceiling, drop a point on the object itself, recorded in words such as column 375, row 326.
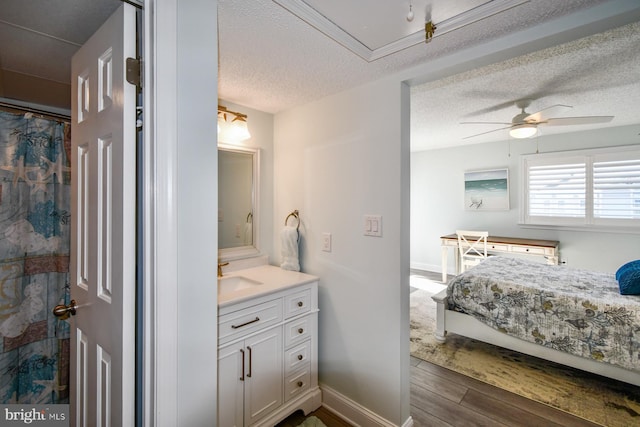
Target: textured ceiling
column 597, row 75
column 388, row 26
column 272, row 60
column 386, row 20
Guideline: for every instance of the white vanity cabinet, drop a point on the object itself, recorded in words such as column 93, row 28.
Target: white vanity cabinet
column 267, row 357
column 249, row 378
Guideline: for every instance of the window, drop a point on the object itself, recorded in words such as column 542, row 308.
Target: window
column 588, row 188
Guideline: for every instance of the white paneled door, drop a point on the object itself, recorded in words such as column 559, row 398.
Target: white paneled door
column 102, row 271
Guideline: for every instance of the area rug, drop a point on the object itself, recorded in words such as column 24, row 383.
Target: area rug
column 597, row 399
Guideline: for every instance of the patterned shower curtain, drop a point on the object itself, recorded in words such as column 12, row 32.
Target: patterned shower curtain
column 34, row 258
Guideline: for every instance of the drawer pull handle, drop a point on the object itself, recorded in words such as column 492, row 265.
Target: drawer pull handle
column 300, row 357
column 300, row 303
column 257, row 319
column 300, row 330
column 300, row 383
column 242, row 353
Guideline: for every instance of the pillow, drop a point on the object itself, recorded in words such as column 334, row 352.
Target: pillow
column 628, row 277
column 630, row 265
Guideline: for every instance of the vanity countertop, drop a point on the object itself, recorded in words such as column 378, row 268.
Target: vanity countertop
column 272, row 279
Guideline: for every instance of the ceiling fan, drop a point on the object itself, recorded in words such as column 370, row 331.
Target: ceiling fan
column 525, row 125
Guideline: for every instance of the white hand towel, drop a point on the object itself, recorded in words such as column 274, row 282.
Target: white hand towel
column 289, row 238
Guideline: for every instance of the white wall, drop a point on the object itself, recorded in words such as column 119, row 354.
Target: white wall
column 196, row 201
column 336, row 160
column 437, row 194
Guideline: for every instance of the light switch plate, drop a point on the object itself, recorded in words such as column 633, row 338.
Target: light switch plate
column 373, row 225
column 326, row 242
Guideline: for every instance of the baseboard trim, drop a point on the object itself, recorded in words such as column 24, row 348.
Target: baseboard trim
column 427, row 267
column 354, row 413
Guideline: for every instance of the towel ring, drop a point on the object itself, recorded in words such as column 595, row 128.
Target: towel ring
column 249, row 217
column 294, row 214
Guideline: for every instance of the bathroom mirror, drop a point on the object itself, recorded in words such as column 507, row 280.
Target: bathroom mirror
column 238, row 184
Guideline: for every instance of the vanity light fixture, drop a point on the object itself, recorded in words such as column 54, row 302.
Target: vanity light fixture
column 234, row 130
column 525, row 130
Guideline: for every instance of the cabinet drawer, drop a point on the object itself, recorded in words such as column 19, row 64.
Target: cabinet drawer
column 501, row 248
column 297, row 331
column 528, row 250
column 297, row 383
column 297, row 357
column 298, row 303
column 238, row 323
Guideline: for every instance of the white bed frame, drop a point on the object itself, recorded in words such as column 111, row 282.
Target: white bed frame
column 466, row 325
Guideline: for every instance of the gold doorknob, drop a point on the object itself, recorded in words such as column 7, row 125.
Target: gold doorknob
column 64, row 311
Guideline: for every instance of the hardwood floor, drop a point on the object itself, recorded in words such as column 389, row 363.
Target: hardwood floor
column 441, row 397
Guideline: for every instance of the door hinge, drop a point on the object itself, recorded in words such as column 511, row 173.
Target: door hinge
column 133, row 71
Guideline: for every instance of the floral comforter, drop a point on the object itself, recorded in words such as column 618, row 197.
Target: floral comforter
column 574, row 311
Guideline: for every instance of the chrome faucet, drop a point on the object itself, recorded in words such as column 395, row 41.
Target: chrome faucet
column 220, row 268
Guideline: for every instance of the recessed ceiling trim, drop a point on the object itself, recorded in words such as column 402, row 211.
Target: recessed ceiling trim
column 40, row 33
column 312, row 17
column 324, row 25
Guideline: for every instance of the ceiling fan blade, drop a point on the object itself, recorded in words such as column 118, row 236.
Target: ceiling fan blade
column 587, row 120
column 485, row 123
column 491, row 109
column 484, row 133
column 538, row 116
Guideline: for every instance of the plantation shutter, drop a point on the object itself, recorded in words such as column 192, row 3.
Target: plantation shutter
column 557, row 190
column 597, row 188
column 616, row 189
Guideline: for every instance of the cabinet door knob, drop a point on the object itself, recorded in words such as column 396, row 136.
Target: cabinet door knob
column 300, row 330
column 300, row 383
column 300, row 357
column 300, row 303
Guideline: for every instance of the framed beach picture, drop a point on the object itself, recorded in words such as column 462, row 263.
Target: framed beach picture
column 486, row 190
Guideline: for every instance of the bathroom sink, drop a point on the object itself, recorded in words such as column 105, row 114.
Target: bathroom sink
column 235, row 283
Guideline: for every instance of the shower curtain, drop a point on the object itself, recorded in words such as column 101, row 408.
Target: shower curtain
column 34, row 258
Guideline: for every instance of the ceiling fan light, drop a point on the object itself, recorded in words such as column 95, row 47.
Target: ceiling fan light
column 523, row 131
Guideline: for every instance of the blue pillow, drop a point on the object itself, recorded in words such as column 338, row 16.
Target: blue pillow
column 628, row 277
column 631, row 265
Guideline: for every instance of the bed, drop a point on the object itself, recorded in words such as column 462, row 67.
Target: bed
column 569, row 316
